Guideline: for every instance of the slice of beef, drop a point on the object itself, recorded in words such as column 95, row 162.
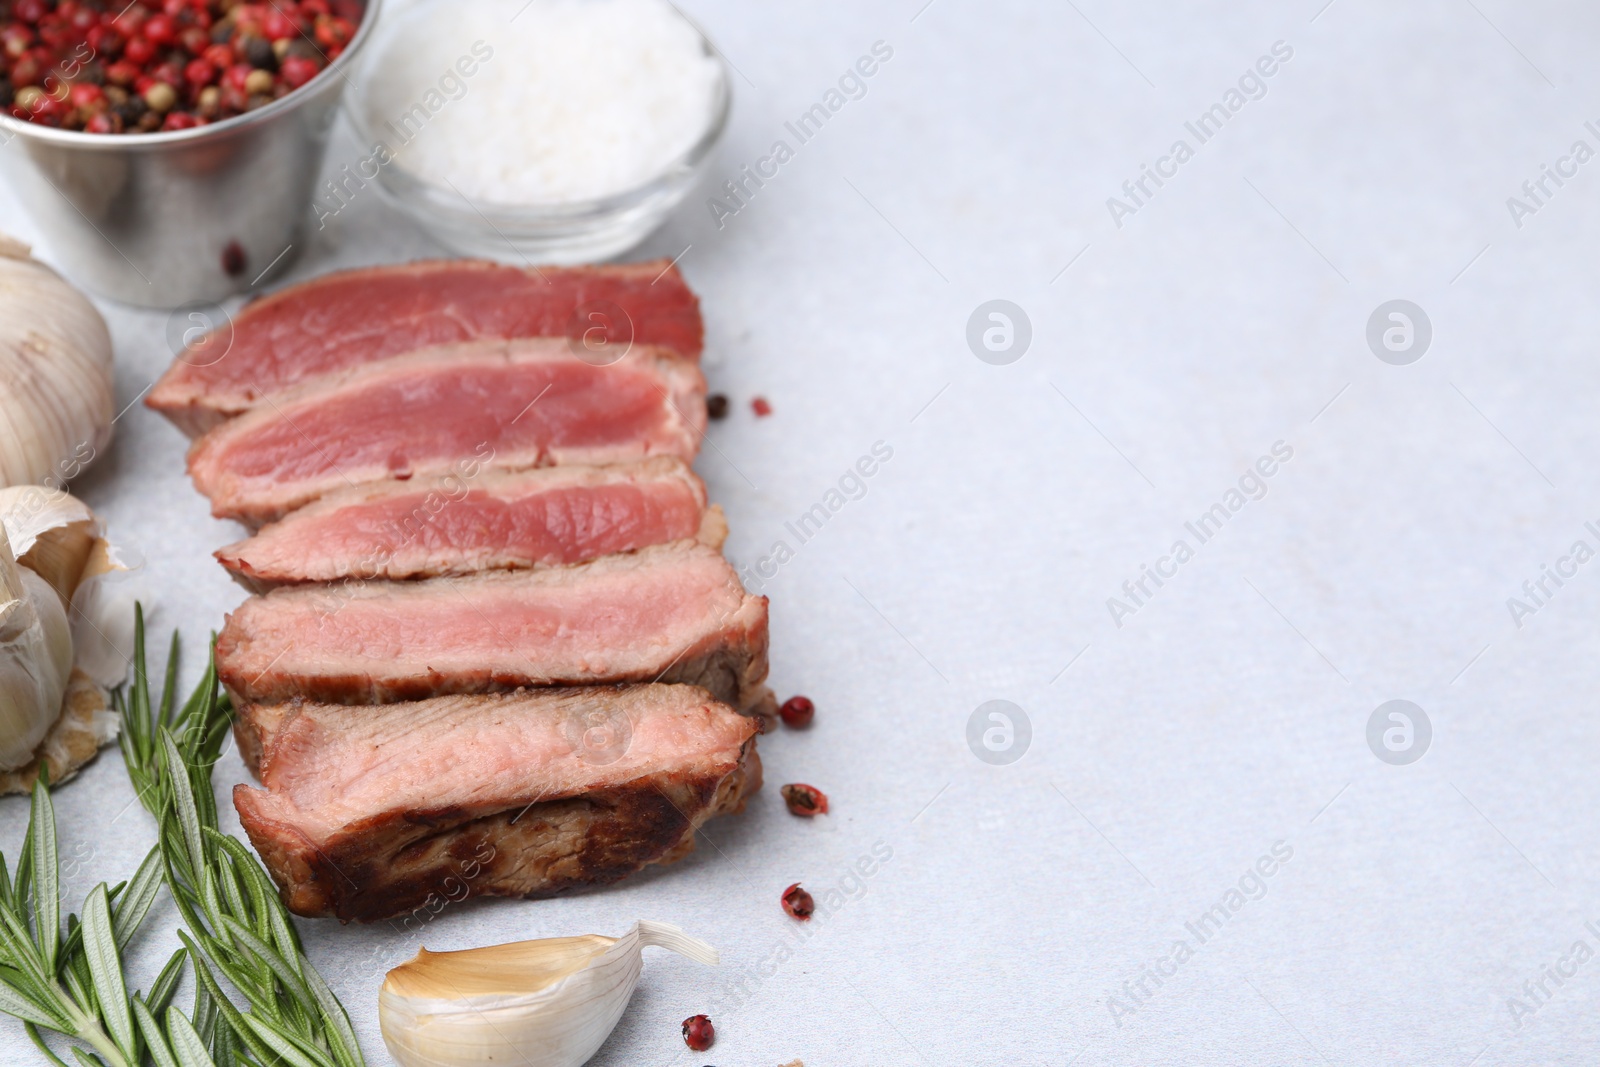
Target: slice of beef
column 452, row 525
column 671, row 613
column 352, row 317
column 508, row 404
column 376, row 813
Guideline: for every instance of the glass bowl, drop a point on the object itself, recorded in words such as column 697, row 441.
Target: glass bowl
column 558, row 232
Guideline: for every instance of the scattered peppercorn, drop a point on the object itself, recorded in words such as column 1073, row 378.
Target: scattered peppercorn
column 797, row 712
column 233, row 259
column 698, row 1033
column 798, row 903
column 805, row 800
column 717, row 406
column 760, row 406
column 185, row 61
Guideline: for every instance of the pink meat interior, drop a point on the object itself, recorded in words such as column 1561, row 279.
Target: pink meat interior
column 610, row 619
column 335, row 766
column 551, row 526
column 450, row 409
column 358, row 316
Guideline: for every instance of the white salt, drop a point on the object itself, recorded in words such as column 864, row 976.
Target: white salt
column 576, row 99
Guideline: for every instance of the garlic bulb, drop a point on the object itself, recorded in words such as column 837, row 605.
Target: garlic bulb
column 56, row 399
column 35, row 658
column 52, row 557
column 547, row 1003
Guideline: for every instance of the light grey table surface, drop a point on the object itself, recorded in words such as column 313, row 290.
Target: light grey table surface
column 1226, row 716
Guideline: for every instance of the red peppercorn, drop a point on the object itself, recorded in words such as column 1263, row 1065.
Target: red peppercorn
column 180, row 120
column 106, row 41
column 103, row 122
column 220, row 56
column 56, row 32
column 195, row 39
column 46, row 109
column 297, row 71
column 698, row 1033
column 85, row 94
column 199, row 74
column 29, row 10
column 797, row 903
column 169, row 72
column 805, row 800
column 122, row 73
column 279, row 25
column 160, row 29
column 26, row 71
column 760, row 406
column 130, row 20
column 139, row 49
column 797, row 712
column 333, row 32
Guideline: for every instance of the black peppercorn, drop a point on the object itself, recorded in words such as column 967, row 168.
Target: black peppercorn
column 131, row 110
column 717, row 406
column 258, row 53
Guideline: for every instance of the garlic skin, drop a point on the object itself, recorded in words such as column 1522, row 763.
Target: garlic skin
column 35, row 658
column 56, row 389
column 546, row 1003
column 55, row 535
column 57, row 619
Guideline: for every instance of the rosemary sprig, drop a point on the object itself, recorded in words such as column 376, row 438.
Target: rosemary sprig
column 72, row 983
column 69, row 978
column 237, row 927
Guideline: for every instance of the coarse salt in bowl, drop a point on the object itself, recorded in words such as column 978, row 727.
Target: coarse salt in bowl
column 551, row 130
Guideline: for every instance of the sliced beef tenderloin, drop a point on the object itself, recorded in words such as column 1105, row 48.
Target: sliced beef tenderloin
column 454, row 409
column 671, row 613
column 499, row 520
column 345, row 319
column 376, row 813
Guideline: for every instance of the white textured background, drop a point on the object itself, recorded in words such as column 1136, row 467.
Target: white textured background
column 1230, row 712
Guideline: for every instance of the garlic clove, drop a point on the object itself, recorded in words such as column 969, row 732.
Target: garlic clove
column 546, row 1003
column 57, row 536
column 52, row 532
column 35, row 658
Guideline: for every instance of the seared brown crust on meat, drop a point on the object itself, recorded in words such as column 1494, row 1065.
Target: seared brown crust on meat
column 539, row 850
column 252, row 725
column 392, row 862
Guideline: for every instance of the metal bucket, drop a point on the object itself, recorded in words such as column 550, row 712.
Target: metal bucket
column 163, row 219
